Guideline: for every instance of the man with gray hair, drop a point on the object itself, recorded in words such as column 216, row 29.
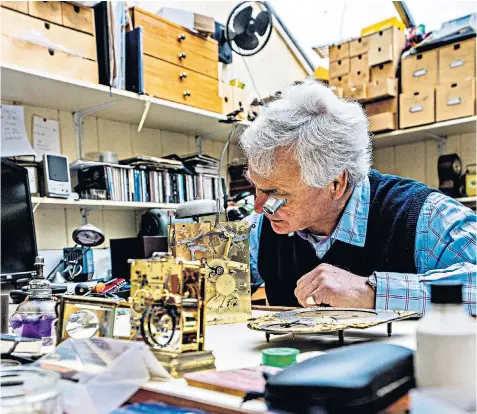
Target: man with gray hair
column 329, row 229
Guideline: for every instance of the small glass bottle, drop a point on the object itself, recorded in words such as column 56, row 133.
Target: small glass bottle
column 446, row 341
column 35, row 317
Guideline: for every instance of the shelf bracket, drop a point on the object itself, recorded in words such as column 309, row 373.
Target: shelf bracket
column 78, row 119
column 84, row 215
column 198, row 144
column 441, row 142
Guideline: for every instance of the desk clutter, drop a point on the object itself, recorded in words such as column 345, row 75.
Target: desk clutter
column 426, row 84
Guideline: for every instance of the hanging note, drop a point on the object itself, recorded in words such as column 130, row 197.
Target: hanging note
column 14, row 138
column 46, row 136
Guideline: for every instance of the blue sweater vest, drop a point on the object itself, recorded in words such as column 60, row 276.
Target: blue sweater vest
column 395, row 205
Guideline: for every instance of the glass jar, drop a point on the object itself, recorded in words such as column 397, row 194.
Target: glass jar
column 29, row 390
column 34, row 318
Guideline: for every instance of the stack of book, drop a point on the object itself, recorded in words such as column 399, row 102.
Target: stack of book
column 145, row 179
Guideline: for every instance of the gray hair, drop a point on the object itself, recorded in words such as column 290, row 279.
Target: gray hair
column 326, row 135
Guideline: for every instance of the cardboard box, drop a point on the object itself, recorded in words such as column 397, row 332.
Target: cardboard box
column 357, row 92
column 189, row 20
column 340, row 82
column 382, row 89
column 358, row 46
column 383, row 71
column 457, row 62
column 419, row 71
column 359, row 70
column 385, row 46
column 455, row 100
column 339, row 52
column 339, row 68
column 388, row 105
column 417, row 108
column 385, row 121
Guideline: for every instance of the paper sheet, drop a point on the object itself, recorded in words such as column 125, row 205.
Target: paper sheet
column 46, row 136
column 14, row 138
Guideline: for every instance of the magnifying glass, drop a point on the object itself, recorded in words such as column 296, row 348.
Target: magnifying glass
column 272, row 205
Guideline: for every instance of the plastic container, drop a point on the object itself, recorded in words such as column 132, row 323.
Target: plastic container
column 446, row 341
column 30, row 390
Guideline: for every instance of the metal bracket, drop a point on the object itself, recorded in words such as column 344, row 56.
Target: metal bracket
column 198, row 144
column 78, row 119
column 441, row 142
column 84, row 215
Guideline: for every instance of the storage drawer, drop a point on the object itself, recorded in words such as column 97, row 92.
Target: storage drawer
column 77, row 17
column 167, row 81
column 339, row 68
column 20, row 6
column 358, row 46
column 174, row 44
column 341, row 82
column 455, row 100
column 46, row 10
column 18, row 25
column 419, row 71
column 385, row 46
column 457, row 62
column 359, row 69
column 385, row 121
column 417, row 108
column 383, row 71
column 40, row 58
column 339, row 52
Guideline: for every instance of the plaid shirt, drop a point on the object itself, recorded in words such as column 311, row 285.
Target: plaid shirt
column 445, row 249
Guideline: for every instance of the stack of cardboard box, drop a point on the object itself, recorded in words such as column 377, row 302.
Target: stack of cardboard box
column 438, row 85
column 365, row 70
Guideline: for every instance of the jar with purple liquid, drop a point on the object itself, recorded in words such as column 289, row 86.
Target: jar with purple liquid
column 35, row 317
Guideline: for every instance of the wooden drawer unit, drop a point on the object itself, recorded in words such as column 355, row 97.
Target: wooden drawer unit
column 39, row 44
column 20, row 6
column 17, row 25
column 167, row 81
column 46, row 10
column 385, row 46
column 339, row 68
column 41, row 58
column 77, row 17
column 339, row 52
column 172, row 43
column 419, row 71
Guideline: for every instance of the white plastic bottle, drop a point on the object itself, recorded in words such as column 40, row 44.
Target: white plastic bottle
column 446, row 341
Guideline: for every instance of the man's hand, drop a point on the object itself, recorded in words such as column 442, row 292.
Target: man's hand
column 336, row 287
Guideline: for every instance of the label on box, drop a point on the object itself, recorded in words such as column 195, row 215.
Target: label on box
column 420, row 72
column 454, row 101
column 456, row 63
column 416, row 108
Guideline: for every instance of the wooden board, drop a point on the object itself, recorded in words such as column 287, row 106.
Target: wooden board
column 21, row 6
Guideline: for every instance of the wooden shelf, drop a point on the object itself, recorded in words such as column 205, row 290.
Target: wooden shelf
column 98, row 204
column 28, row 87
column 425, row 132
column 467, row 200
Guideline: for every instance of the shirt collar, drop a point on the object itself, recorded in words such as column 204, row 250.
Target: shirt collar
column 352, row 226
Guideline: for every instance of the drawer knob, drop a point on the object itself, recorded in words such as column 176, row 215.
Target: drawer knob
column 183, row 75
column 181, row 37
column 182, row 55
column 186, row 94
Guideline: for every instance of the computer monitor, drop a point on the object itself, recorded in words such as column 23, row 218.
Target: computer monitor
column 18, row 229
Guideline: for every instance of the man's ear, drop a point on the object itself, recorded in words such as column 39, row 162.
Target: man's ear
column 339, row 185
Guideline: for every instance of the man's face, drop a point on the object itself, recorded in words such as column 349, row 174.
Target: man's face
column 305, row 206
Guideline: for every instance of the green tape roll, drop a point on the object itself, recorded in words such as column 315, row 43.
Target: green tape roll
column 279, row 357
